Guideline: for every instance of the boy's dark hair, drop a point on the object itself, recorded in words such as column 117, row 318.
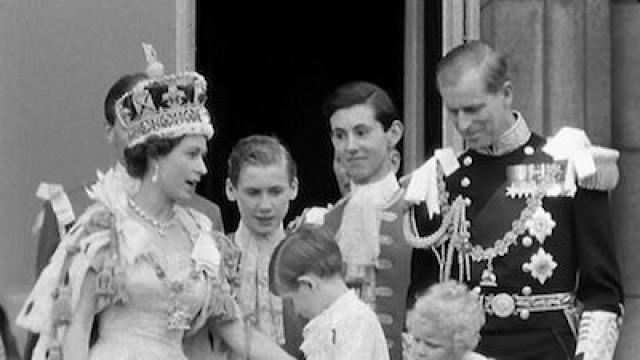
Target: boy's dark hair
column 362, row 92
column 309, row 249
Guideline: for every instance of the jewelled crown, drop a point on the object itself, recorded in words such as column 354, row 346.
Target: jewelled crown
column 164, row 106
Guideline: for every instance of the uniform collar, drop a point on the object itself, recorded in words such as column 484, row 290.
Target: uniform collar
column 512, row 139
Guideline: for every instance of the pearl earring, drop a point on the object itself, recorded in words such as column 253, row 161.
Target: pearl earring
column 154, row 177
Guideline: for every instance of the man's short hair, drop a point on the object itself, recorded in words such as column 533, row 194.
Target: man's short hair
column 362, row 92
column 259, row 150
column 473, row 55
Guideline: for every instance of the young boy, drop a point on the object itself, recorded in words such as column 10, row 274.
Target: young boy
column 262, row 181
column 307, row 268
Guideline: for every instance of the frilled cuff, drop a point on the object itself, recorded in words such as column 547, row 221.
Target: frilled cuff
column 598, row 335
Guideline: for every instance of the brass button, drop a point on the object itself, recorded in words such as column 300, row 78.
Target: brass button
column 384, row 264
column 465, row 182
column 467, row 161
column 384, row 291
column 385, row 319
column 385, row 239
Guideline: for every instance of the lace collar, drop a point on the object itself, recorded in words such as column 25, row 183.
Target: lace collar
column 512, row 139
column 243, row 235
column 262, row 307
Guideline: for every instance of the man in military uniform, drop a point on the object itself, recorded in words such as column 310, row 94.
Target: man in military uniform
column 61, row 208
column 368, row 222
column 532, row 243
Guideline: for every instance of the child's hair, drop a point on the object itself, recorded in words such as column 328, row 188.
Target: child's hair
column 453, row 310
column 259, row 150
column 309, row 249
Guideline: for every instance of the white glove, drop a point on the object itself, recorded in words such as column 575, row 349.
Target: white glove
column 598, row 335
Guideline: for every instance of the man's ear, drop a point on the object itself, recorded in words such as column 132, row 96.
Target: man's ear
column 308, row 280
column 394, row 133
column 229, row 190
column 507, row 92
column 294, row 188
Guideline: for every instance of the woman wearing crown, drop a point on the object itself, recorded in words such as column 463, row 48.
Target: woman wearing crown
column 149, row 271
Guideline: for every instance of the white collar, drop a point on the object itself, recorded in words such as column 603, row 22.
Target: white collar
column 380, row 191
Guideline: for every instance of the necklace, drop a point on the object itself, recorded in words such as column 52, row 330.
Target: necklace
column 178, row 313
column 160, row 227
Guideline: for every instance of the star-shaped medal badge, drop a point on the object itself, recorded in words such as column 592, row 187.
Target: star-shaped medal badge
column 541, row 266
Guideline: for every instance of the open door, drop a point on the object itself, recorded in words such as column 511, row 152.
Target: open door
column 270, row 65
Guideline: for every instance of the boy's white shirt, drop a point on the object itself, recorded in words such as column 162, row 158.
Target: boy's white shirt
column 347, row 329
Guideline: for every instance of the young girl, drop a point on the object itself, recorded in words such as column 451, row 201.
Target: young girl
column 445, row 324
column 307, row 268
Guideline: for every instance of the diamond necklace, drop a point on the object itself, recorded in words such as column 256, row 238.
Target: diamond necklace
column 160, row 227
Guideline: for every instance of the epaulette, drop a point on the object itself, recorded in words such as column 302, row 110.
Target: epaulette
column 424, row 182
column 607, row 172
column 595, row 167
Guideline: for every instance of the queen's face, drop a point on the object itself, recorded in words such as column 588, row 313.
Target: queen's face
column 181, row 169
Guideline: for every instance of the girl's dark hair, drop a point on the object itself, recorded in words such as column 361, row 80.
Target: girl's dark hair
column 309, row 249
column 137, row 157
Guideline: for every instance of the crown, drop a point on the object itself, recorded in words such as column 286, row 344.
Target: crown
column 164, row 106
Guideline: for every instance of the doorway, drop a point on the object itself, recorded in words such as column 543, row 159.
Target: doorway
column 270, row 65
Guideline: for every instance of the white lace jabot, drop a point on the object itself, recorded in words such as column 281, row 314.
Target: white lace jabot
column 359, row 231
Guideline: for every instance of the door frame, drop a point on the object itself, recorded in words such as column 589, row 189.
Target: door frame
column 460, row 22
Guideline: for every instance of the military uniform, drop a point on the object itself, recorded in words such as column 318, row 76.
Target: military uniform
column 392, row 271
column 532, row 261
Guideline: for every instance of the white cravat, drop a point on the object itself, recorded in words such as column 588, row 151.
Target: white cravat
column 359, row 232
